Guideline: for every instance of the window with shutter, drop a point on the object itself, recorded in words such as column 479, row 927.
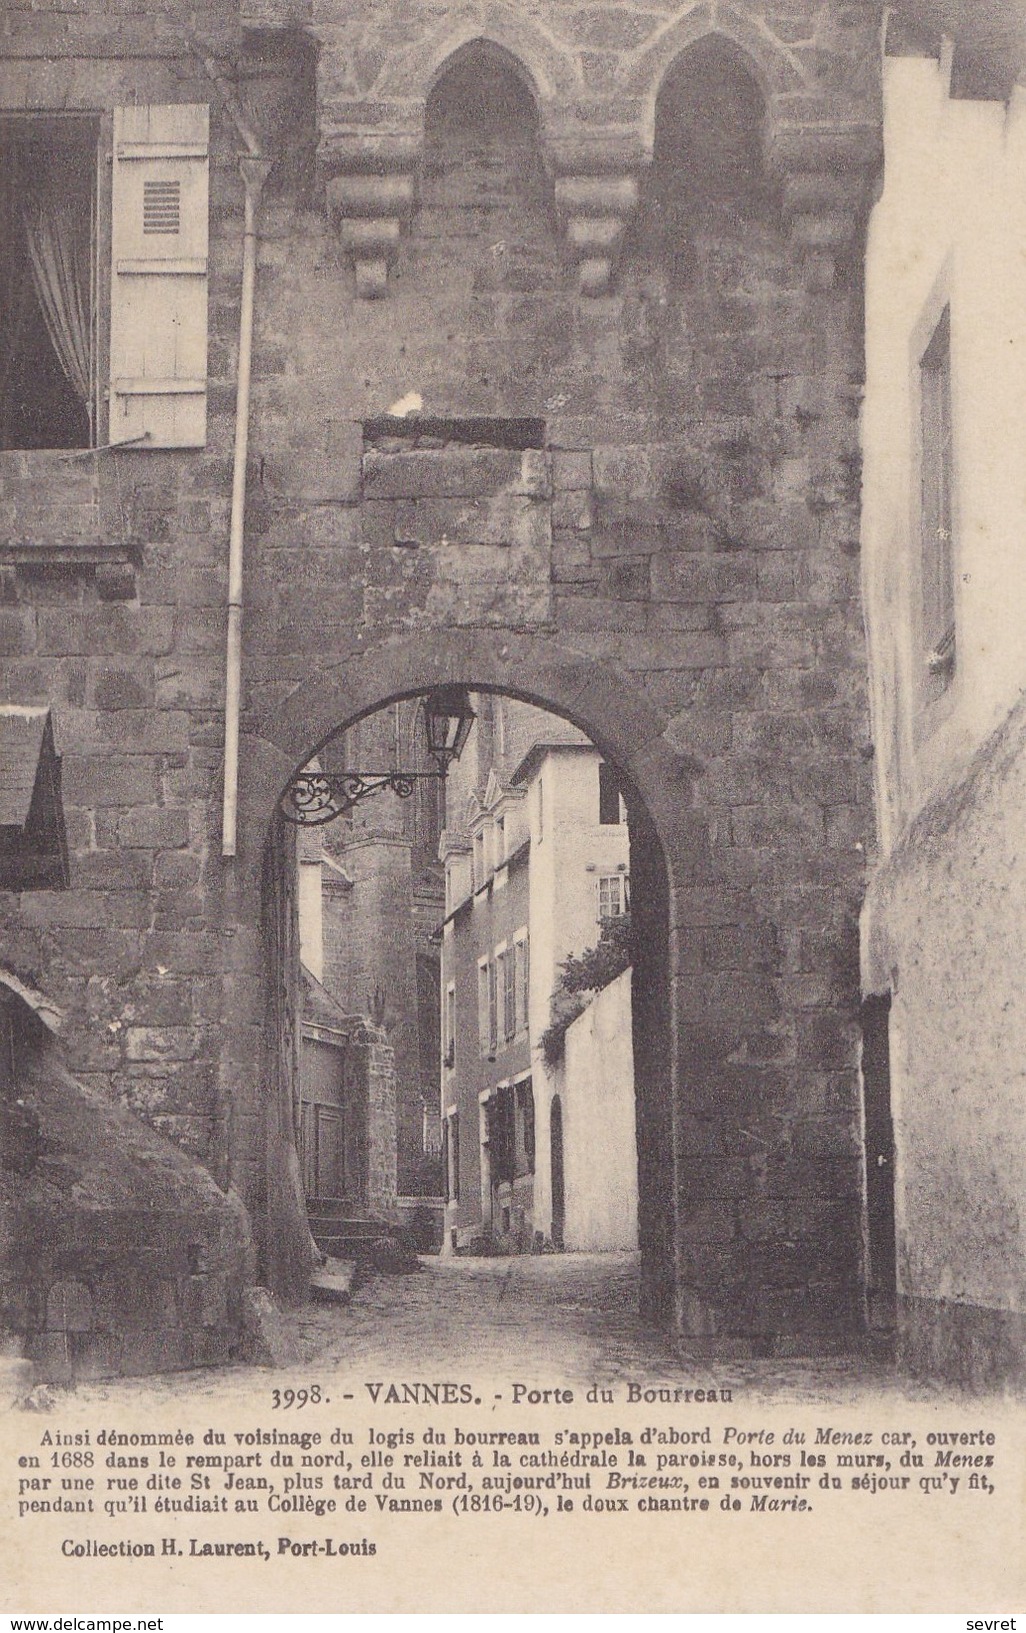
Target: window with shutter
column 509, row 1012
column 158, row 320
column 493, row 1007
column 522, row 978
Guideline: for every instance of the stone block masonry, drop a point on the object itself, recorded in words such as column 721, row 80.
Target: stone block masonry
column 670, row 535
column 120, row 1255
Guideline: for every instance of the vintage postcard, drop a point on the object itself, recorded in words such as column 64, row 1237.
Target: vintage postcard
column 512, row 762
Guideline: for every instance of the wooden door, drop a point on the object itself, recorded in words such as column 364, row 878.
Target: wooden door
column 876, row 1087
column 558, row 1181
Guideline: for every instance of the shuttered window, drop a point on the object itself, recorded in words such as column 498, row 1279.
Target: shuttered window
column 507, row 964
column 158, row 326
column 493, row 1007
column 484, row 1029
column 522, row 982
column 524, row 1128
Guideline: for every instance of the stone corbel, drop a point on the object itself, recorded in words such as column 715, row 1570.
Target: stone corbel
column 369, row 212
column 595, row 210
column 824, row 171
column 822, row 212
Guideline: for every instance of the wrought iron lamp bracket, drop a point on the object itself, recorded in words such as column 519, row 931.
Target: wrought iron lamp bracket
column 314, row 798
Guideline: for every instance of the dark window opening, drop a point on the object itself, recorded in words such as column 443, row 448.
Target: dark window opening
column 449, row 1041
column 502, row 1136
column 47, row 282
column 609, row 796
column 511, row 1132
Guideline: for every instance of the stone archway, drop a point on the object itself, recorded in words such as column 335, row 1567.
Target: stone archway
column 622, row 722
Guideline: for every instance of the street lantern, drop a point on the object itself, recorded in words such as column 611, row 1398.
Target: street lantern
column 313, row 798
column 448, row 718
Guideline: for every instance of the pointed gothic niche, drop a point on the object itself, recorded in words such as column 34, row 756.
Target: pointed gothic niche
column 483, row 167
column 708, row 181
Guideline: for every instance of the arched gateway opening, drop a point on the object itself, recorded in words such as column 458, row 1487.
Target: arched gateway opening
column 602, row 709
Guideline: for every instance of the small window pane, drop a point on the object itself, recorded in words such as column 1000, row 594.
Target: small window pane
column 612, row 895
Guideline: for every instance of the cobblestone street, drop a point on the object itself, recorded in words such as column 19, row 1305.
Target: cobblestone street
column 570, row 1317
column 562, row 1318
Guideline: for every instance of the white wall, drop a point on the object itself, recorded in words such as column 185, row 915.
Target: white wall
column 311, row 917
column 949, row 229
column 599, row 1138
column 563, row 912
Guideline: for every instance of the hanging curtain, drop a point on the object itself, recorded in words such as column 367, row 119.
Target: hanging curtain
column 57, row 229
column 15, row 287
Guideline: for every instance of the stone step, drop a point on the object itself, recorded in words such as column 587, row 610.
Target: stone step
column 336, row 1207
column 341, row 1221
column 334, row 1281
column 333, row 1241
column 343, row 1229
column 348, row 1247
column 359, row 1224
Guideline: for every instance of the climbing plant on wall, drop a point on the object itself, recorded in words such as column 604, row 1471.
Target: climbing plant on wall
column 581, row 975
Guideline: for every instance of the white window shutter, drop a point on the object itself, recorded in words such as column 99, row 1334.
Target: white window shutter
column 158, row 319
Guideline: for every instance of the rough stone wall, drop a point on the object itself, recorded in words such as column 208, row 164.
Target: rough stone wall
column 958, row 1194
column 118, row 1255
column 371, row 1076
column 370, row 968
column 687, row 520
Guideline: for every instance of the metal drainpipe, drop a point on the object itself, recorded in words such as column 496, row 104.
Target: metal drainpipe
column 254, row 174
